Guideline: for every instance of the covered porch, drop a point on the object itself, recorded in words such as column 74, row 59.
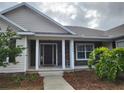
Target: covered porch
column 59, row 53
column 50, row 54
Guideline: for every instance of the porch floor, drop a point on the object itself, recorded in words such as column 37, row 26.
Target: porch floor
column 57, row 68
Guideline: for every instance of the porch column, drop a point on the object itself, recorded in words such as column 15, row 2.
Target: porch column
column 72, row 54
column 26, row 53
column 63, row 54
column 37, row 55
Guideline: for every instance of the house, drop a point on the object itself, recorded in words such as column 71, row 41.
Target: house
column 51, row 45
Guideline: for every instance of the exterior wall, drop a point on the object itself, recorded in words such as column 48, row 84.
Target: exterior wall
column 108, row 45
column 84, row 62
column 4, row 25
column 120, row 40
column 32, row 51
column 67, row 51
column 20, row 66
column 32, row 21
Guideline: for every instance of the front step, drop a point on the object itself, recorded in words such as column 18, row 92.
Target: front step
column 51, row 73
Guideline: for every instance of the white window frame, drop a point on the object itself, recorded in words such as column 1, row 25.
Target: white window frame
column 84, row 50
column 118, row 42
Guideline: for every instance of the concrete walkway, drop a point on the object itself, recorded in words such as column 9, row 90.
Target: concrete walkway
column 56, row 83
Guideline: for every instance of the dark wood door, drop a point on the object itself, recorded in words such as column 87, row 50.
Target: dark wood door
column 47, row 54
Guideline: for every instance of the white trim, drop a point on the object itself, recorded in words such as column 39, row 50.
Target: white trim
column 74, row 36
column 84, row 50
column 25, row 33
column 37, row 55
column 63, row 54
column 48, row 43
column 82, row 59
column 72, row 54
column 26, row 54
column 57, row 55
column 43, row 54
column 52, row 52
column 11, row 8
column 39, row 12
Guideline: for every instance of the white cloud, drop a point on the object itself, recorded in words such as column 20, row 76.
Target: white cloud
column 91, row 13
column 73, row 16
column 94, row 23
column 64, row 8
column 94, row 17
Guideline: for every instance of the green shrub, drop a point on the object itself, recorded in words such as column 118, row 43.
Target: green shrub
column 33, row 77
column 29, row 77
column 17, row 78
column 95, row 55
column 108, row 63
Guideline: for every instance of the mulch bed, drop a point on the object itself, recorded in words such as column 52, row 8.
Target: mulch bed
column 7, row 83
column 87, row 80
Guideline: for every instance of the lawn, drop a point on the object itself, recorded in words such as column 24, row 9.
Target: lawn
column 21, row 81
column 87, row 80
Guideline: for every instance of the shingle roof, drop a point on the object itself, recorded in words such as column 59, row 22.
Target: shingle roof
column 76, row 31
column 116, row 32
column 87, row 32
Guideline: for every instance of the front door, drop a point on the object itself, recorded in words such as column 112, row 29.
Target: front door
column 47, row 54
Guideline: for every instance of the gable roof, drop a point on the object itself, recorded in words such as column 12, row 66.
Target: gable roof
column 37, row 11
column 116, row 31
column 75, row 31
column 11, row 22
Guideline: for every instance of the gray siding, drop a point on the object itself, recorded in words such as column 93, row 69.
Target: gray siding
column 4, row 25
column 32, row 21
column 19, row 67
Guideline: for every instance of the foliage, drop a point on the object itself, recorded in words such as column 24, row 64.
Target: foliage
column 7, row 47
column 18, row 78
column 28, row 77
column 33, row 77
column 108, row 63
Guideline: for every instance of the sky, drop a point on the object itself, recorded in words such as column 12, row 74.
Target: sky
column 102, row 16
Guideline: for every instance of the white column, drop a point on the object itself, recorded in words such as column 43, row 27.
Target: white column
column 26, row 53
column 72, row 54
column 37, row 55
column 63, row 54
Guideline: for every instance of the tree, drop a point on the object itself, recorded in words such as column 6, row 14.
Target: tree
column 8, row 48
column 109, row 64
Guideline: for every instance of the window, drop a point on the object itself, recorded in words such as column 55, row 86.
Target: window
column 120, row 44
column 83, row 51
